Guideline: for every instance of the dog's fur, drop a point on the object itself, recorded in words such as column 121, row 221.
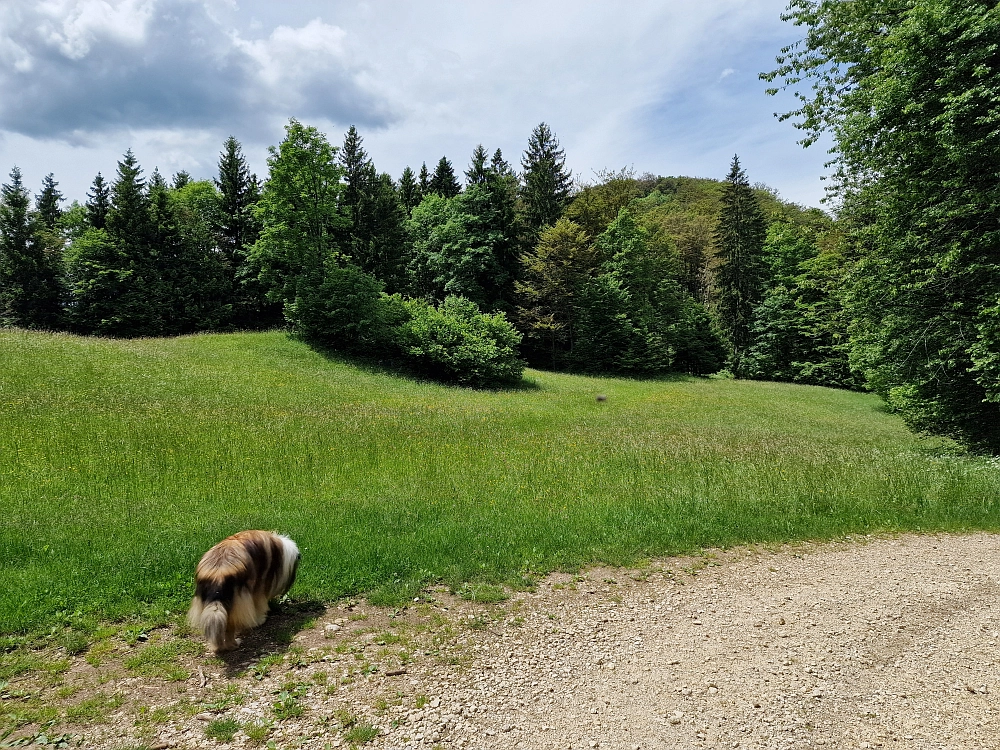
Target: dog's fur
column 234, row 582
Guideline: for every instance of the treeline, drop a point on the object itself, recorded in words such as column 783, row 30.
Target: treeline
column 457, row 279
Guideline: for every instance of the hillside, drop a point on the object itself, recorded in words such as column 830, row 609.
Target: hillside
column 122, row 461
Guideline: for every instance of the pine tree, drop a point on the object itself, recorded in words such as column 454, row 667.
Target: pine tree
column 741, row 275
column 424, row 181
column 409, row 190
column 477, row 172
column 98, row 203
column 30, row 294
column 547, row 182
column 47, row 203
column 444, row 182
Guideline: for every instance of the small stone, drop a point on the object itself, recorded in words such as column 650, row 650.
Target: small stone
column 713, row 690
column 332, row 627
column 204, row 717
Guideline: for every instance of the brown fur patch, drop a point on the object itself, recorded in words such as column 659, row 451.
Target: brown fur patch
column 237, row 577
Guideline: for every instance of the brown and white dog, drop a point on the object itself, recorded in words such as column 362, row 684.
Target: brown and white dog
column 234, row 582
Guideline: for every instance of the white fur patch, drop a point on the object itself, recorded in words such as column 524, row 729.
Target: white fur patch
column 289, row 559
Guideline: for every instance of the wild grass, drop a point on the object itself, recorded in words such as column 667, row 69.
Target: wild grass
column 121, row 462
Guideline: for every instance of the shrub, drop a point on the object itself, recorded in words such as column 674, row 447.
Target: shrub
column 457, row 343
column 342, row 313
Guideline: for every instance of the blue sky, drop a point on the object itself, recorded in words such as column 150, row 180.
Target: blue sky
column 669, row 88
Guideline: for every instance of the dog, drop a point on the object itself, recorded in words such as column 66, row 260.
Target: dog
column 234, row 582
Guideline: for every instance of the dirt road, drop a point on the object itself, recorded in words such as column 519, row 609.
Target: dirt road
column 886, row 643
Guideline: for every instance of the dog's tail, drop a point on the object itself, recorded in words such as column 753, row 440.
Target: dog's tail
column 210, row 619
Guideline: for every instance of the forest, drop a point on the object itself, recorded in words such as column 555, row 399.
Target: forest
column 466, row 279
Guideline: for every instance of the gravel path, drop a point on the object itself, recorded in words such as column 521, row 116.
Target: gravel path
column 857, row 644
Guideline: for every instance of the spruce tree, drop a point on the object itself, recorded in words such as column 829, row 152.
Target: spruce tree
column 238, row 191
column 358, row 175
column 387, row 248
column 547, row 182
column 47, row 203
column 424, row 181
column 444, row 182
column 181, row 178
column 477, row 172
column 742, row 272
column 236, row 229
column 409, row 190
column 128, row 218
column 98, row 203
column 29, row 283
column 500, row 166
column 130, row 228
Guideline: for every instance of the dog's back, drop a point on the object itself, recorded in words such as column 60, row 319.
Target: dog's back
column 234, row 581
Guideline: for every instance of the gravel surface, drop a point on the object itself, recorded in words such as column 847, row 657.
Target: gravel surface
column 888, row 642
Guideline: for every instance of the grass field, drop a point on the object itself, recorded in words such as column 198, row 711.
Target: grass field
column 121, row 462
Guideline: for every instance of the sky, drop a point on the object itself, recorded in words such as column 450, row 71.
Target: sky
column 669, row 88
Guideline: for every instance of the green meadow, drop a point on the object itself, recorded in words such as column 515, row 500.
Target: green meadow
column 121, row 462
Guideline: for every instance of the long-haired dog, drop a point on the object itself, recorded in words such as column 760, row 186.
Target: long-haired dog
column 234, row 582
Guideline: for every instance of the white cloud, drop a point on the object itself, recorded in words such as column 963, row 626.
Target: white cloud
column 85, row 67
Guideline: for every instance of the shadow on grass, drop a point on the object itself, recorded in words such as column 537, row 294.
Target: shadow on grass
column 269, row 643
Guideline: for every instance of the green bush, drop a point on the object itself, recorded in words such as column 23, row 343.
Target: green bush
column 454, row 343
column 457, row 343
column 343, row 313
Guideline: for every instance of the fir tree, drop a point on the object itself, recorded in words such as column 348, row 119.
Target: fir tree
column 98, row 203
column 29, row 288
column 741, row 275
column 47, row 203
column 547, row 182
column 444, row 182
column 181, row 179
column 409, row 190
column 476, row 174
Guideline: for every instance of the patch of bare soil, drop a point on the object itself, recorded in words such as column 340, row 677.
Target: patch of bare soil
column 873, row 643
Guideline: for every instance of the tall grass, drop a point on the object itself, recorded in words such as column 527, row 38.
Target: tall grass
column 121, row 462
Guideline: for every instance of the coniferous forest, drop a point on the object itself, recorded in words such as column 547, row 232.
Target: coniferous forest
column 465, row 275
